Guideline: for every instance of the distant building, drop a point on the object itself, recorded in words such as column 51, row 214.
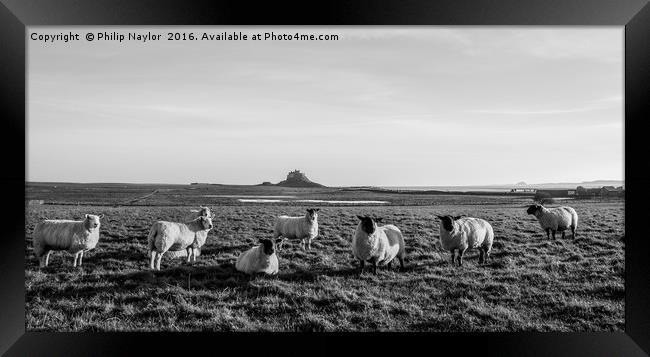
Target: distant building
column 555, row 193
column 611, row 191
column 530, row 190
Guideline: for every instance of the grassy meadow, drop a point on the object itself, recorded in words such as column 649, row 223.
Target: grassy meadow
column 530, row 284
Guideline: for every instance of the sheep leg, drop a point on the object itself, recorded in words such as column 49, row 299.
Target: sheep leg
column 573, row 232
column 81, row 257
column 481, row 256
column 158, row 258
column 548, row 233
column 373, row 261
column 76, row 256
column 194, row 255
column 453, row 257
column 460, row 256
column 47, row 258
column 153, row 258
column 553, row 234
column 562, row 234
column 189, row 254
column 309, row 244
column 401, row 263
column 362, row 264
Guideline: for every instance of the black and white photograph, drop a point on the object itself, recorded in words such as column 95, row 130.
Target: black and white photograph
column 324, row 178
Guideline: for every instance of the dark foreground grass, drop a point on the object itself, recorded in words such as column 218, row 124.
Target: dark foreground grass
column 531, row 283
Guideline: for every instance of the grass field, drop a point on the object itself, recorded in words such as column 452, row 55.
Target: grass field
column 531, row 283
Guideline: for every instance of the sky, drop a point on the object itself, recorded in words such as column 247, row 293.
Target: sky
column 384, row 106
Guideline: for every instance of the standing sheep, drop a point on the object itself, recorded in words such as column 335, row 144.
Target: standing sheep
column 379, row 245
column 555, row 219
column 72, row 236
column 171, row 236
column 304, row 228
column 259, row 259
column 459, row 234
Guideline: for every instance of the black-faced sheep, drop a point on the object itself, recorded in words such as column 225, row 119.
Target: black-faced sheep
column 378, row 245
column 555, row 219
column 259, row 259
column 457, row 234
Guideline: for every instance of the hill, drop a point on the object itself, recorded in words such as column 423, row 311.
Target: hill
column 298, row 179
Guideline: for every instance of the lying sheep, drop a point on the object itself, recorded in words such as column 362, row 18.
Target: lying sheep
column 459, row 234
column 379, row 245
column 171, row 236
column 72, row 236
column 304, row 228
column 555, row 219
column 259, row 259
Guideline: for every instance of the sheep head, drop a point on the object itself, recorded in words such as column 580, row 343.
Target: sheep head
column 311, row 213
column 448, row 222
column 534, row 208
column 368, row 224
column 205, row 222
column 268, row 245
column 91, row 221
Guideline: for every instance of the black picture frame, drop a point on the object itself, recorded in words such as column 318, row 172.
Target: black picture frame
column 634, row 15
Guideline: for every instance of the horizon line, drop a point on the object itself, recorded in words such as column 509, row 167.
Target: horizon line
column 260, row 184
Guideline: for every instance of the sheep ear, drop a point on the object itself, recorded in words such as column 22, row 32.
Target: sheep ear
column 360, row 218
column 86, row 216
column 457, row 217
column 379, row 219
column 316, row 209
column 101, row 216
column 194, row 210
column 440, row 217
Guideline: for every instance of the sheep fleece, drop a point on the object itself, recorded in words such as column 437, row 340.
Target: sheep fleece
column 558, row 219
column 255, row 261
column 468, row 233
column 385, row 244
column 296, row 227
column 174, row 236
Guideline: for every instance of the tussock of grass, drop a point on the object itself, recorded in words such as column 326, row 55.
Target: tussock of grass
column 530, row 283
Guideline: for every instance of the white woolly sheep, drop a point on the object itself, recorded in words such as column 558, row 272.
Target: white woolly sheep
column 171, row 236
column 304, row 227
column 72, row 236
column 555, row 219
column 379, row 245
column 259, row 259
column 459, row 234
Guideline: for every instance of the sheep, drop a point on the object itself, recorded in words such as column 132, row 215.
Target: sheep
column 171, row 236
column 379, row 245
column 457, row 234
column 555, row 219
column 259, row 259
column 304, row 228
column 72, row 236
